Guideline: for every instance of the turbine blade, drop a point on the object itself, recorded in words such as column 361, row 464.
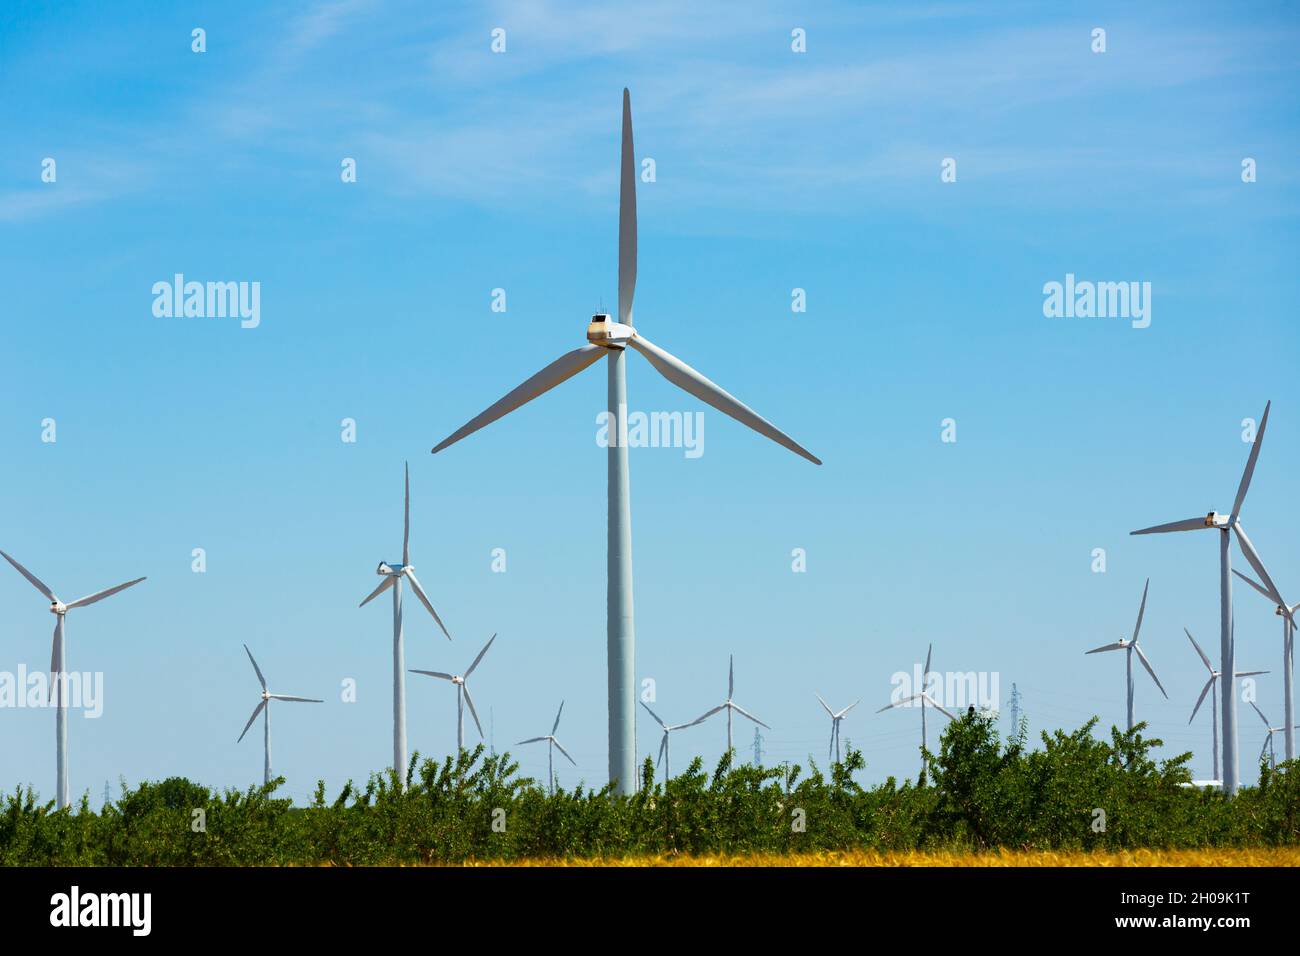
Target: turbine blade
column 704, row 716
column 928, row 654
column 556, row 726
column 300, row 700
column 1253, row 583
column 1250, row 464
column 1117, row 646
column 256, row 710
column 35, row 581
column 480, row 657
column 383, row 586
column 1252, row 556
column 260, row 679
column 562, row 369
column 663, row 745
column 840, row 715
column 744, row 712
column 658, row 719
column 1204, row 691
column 1261, row 716
column 626, row 218
column 1187, row 524
column 731, row 676
column 935, row 704
column 56, row 658
column 1204, row 659
column 406, row 521
column 472, row 712
column 1147, row 664
column 825, row 707
column 433, row 674
column 1142, row 609
column 100, row 595
column 424, row 599
column 531, row 740
column 899, row 703
column 559, row 746
column 691, row 381
column 1250, row 673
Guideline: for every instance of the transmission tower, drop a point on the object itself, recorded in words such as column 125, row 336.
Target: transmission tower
column 758, row 748
column 1015, row 709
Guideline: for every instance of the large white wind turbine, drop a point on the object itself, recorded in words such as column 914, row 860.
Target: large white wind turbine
column 462, row 695
column 264, row 709
column 551, row 744
column 1268, row 740
column 1211, row 688
column 58, row 668
column 1287, row 614
column 1131, row 647
column 728, row 705
column 609, row 340
column 1226, row 525
column 836, row 717
column 392, row 578
column 925, row 698
column 668, row 729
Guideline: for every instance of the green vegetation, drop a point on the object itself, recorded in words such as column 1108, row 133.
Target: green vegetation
column 982, row 792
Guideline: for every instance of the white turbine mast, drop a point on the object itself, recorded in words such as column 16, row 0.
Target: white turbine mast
column 463, row 696
column 1268, row 740
column 836, row 717
column 1211, row 687
column 1287, row 614
column 1130, row 647
column 58, row 670
column 393, row 575
column 263, row 707
column 728, row 705
column 924, row 697
column 663, row 757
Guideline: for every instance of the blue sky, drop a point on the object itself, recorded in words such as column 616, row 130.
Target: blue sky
column 774, row 170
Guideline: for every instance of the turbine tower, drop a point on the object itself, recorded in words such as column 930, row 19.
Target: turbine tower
column 1287, row 614
column 1131, row 647
column 1211, row 688
column 836, row 717
column 729, row 705
column 462, row 695
column 1268, row 740
column 58, row 670
column 264, row 709
column 924, row 697
column 1226, row 525
column 668, row 729
column 392, row 578
column 609, row 340
column 551, row 744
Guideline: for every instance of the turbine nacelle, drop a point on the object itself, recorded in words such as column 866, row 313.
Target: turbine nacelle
column 58, row 608
column 608, row 334
column 1216, row 520
column 389, row 570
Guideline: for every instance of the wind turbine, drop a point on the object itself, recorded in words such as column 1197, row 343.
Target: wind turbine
column 668, row 729
column 836, row 717
column 1268, row 741
column 264, row 709
column 609, row 340
column 1287, row 614
column 728, row 705
column 1132, row 647
column 551, row 743
column 1226, row 525
column 1212, row 689
column 462, row 695
column 392, row 578
column 924, row 697
column 58, row 668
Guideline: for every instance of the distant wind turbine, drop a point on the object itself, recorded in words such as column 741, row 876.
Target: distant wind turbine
column 1211, row 688
column 462, row 695
column 729, row 705
column 610, row 338
column 836, row 717
column 1227, row 525
column 1132, row 647
column 668, row 729
column 264, row 709
column 393, row 579
column 924, row 697
column 58, row 668
column 1287, row 614
column 551, row 743
column 1268, row 741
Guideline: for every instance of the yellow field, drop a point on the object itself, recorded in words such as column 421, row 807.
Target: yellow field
column 1289, row 856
